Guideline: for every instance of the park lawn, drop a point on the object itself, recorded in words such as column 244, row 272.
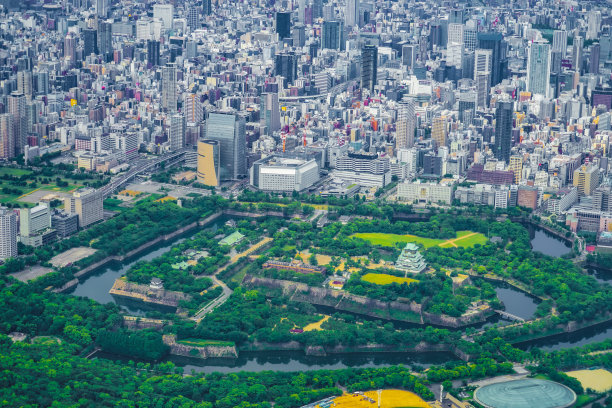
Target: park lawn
column 599, row 380
column 113, row 204
column 385, row 279
column 204, row 343
column 464, row 239
column 13, row 171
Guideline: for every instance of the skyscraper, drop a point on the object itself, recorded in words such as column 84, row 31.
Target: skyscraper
column 206, row 7
column 42, row 82
column 538, row 68
column 169, row 93
column 228, row 129
column 165, row 12
column 560, row 42
column 594, row 24
column 87, row 204
column 153, row 52
column 7, row 137
column 70, row 47
column 8, row 233
column 176, row 132
column 438, row 131
column 102, row 8
column 404, row 128
column 208, row 162
column 285, row 65
column 193, row 17
column 594, row 58
column 90, row 42
column 17, row 108
column 332, row 35
column 482, row 75
column 105, row 40
column 24, row 83
column 283, row 24
column 194, row 111
column 409, row 55
column 369, row 66
column 454, row 47
column 351, row 13
column 494, row 41
column 577, row 47
column 503, row 130
column 269, row 113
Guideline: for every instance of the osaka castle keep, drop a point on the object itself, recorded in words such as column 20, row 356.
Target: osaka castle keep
column 410, row 260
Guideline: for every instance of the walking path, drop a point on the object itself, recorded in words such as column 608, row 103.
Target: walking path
column 452, row 241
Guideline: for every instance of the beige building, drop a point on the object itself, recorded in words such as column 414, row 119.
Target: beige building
column 87, row 204
column 425, row 192
column 438, row 131
column 586, row 178
column 516, row 166
column 208, row 162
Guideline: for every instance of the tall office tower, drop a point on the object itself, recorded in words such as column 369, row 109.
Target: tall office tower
column 70, row 48
column 317, row 9
column 556, row 57
column 102, row 8
column 538, row 68
column 208, row 162
column 369, row 67
column 594, row 24
column 482, row 75
column 90, row 42
column 329, row 13
column 176, row 132
column 207, row 7
column 105, row 40
column 285, row 65
column 42, row 81
column 299, row 35
column 165, row 12
column 269, row 113
column 332, row 36
column 470, row 38
column 494, row 41
column 7, row 136
column 8, row 233
column 516, row 166
column 560, row 42
column 439, row 132
column 24, row 84
column 455, row 33
column 17, row 108
column 193, row 17
column 229, row 130
column 409, row 55
column 351, row 13
column 283, row 24
column 468, row 101
column 454, row 47
column 34, row 225
column 87, row 204
column 405, row 126
column 169, row 93
column 594, row 59
column 503, row 130
column 586, row 179
column 577, row 53
column 455, row 16
column 153, row 52
column 194, row 111
column 301, row 8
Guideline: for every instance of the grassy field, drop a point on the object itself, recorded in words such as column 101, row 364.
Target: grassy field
column 26, row 190
column 316, row 325
column 464, row 239
column 204, row 343
column 598, row 380
column 385, row 279
column 13, row 172
column 113, row 204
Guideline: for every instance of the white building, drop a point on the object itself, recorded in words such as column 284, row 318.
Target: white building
column 8, row 233
column 276, row 173
column 87, row 204
column 35, row 225
column 165, row 12
column 425, row 192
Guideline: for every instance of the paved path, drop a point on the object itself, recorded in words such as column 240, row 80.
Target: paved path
column 452, row 241
column 226, row 290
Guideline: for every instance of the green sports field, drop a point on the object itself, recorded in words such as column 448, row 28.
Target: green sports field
column 385, row 279
column 465, row 239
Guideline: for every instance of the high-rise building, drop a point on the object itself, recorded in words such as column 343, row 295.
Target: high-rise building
column 153, row 52
column 7, row 137
column 102, row 8
column 369, row 67
column 208, row 162
column 594, row 24
column 405, row 126
column 87, row 204
column 299, row 35
column 207, row 7
column 90, row 42
column 285, row 65
column 516, row 166
column 176, row 131
column 8, row 233
column 193, row 17
column 586, row 179
column 439, row 131
column 17, row 108
column 165, row 12
column 332, row 35
column 283, row 24
column 560, row 42
column 105, row 40
column 594, row 58
column 169, row 92
column 269, row 113
column 194, row 111
column 24, row 84
column 409, row 55
column 494, row 41
column 538, row 68
column 229, row 130
column 503, row 130
column 70, row 44
column 42, row 81
column 455, row 16
column 454, row 47
column 35, row 225
column 351, row 13
column 577, row 47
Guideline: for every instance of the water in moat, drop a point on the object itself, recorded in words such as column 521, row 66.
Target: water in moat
column 97, row 285
column 547, row 243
